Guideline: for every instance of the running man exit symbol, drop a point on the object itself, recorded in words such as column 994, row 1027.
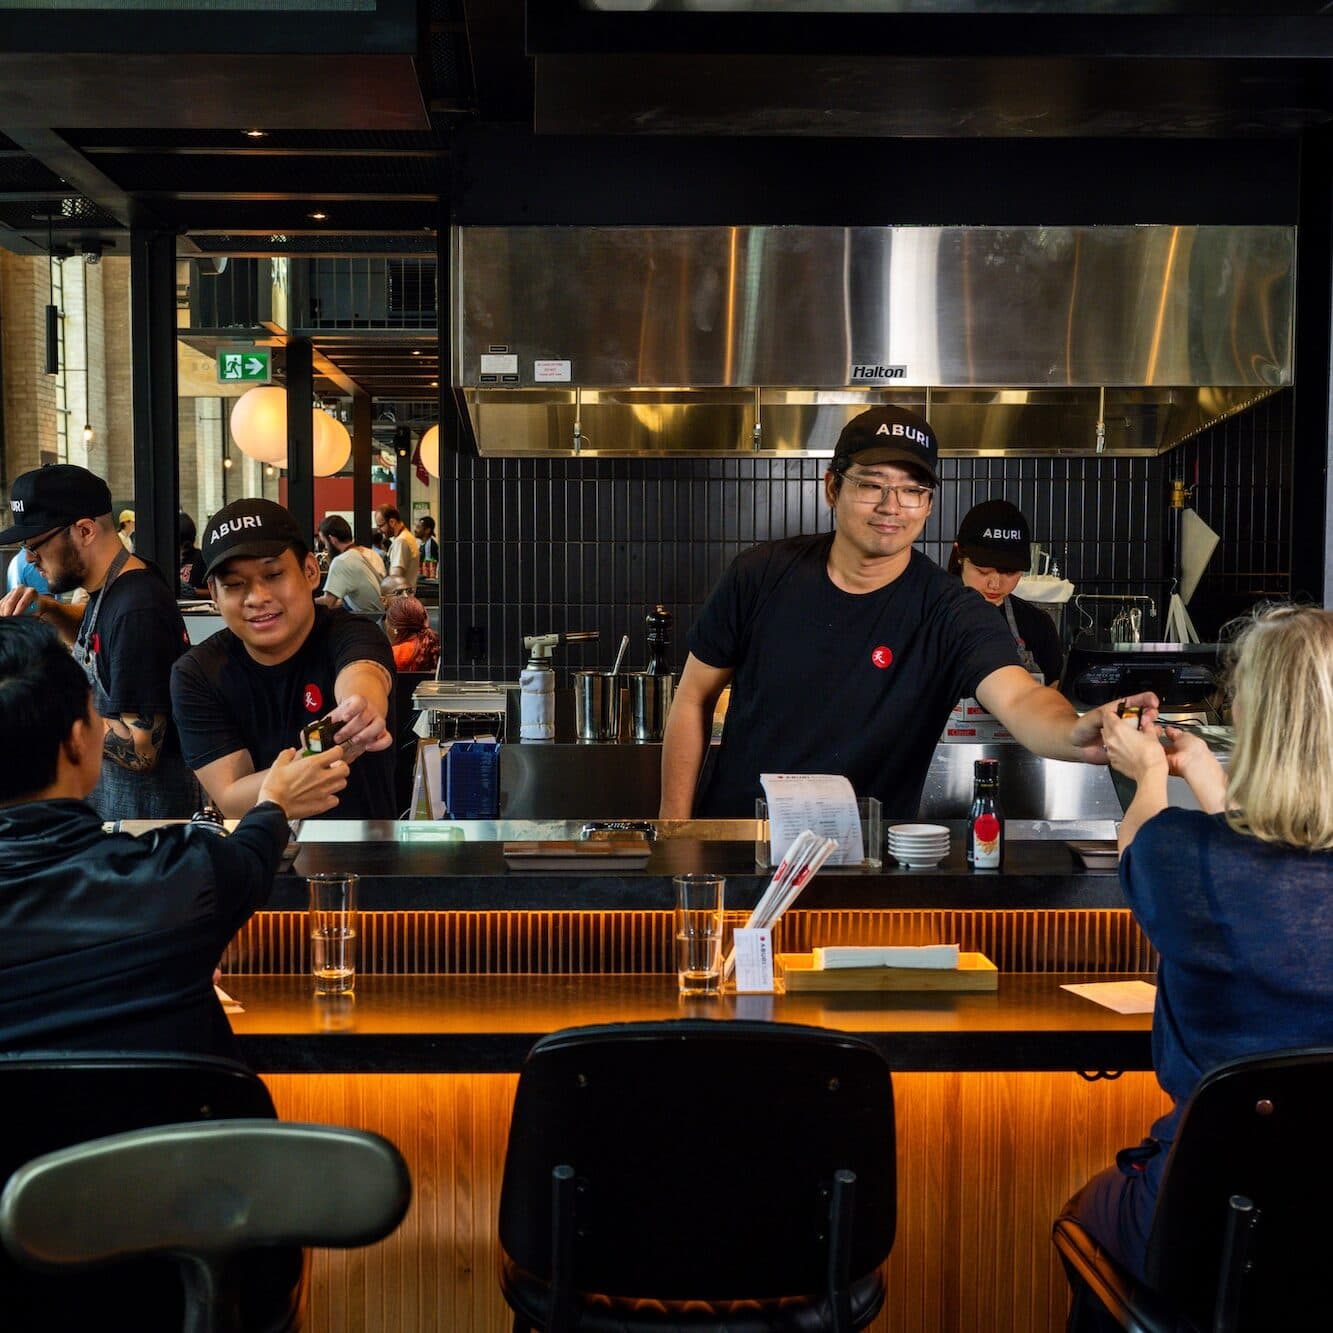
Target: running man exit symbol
column 245, row 365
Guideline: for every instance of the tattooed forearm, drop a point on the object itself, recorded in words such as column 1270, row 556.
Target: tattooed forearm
column 133, row 741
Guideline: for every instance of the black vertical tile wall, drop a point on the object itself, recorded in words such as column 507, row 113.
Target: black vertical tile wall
column 1241, row 474
column 536, row 545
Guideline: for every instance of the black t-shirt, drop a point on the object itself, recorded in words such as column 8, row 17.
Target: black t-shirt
column 226, row 701
column 137, row 639
column 1039, row 635
column 833, row 682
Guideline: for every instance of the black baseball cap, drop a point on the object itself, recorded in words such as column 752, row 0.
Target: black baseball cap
column 256, row 528
column 995, row 535
column 54, row 497
column 889, row 435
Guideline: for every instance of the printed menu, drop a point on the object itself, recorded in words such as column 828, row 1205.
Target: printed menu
column 824, row 803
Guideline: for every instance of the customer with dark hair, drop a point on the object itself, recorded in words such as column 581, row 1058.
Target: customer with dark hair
column 416, row 647
column 242, row 696
column 404, row 558
column 353, row 578
column 191, row 559
column 1236, row 897
column 126, row 637
column 108, row 941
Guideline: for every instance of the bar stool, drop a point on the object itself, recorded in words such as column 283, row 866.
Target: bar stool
column 702, row 1175
column 199, row 1195
column 1244, row 1215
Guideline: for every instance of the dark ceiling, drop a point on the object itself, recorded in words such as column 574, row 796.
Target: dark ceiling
column 110, row 122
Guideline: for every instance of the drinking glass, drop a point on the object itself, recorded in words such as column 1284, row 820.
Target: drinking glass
column 333, row 932
column 698, row 931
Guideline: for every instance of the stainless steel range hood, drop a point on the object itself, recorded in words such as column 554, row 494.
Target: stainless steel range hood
column 724, row 340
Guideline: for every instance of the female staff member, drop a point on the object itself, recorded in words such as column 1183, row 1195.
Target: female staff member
column 1237, row 896
column 990, row 555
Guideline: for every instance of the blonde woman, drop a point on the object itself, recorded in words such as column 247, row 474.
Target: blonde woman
column 1237, row 896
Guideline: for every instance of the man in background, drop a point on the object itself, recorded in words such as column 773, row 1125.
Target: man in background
column 125, row 529
column 355, row 573
column 404, row 559
column 430, row 548
column 126, row 636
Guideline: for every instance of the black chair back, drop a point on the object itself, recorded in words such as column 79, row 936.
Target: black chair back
column 1256, row 1128
column 704, row 1153
column 53, row 1099
column 200, row 1194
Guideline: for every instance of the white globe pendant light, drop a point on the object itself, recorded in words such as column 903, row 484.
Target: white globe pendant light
column 258, row 424
column 430, row 451
column 333, row 445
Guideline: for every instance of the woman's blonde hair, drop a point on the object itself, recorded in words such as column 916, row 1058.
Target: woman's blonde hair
column 1280, row 781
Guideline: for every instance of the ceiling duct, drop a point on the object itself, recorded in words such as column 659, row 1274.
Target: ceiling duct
column 1013, row 340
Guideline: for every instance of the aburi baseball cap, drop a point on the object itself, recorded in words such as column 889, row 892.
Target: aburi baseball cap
column 889, row 434
column 250, row 527
column 995, row 535
column 53, row 497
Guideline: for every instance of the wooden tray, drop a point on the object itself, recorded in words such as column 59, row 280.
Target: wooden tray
column 974, row 972
column 593, row 854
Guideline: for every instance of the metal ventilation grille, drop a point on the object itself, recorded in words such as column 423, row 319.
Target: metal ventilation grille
column 599, row 942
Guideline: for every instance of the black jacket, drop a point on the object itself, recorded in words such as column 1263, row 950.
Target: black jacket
column 108, row 942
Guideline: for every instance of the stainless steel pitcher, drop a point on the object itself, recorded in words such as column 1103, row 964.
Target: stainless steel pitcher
column 650, row 698
column 596, row 706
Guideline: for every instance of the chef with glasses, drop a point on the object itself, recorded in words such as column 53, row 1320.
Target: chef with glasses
column 845, row 651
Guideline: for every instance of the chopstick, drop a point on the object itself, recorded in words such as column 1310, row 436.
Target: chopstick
column 799, row 865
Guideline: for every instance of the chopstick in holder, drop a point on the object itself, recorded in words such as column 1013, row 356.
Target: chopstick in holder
column 804, row 874
column 802, row 860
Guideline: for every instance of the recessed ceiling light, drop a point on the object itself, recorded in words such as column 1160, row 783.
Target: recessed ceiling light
column 317, row 216
column 256, row 134
column 415, row 352
column 435, row 384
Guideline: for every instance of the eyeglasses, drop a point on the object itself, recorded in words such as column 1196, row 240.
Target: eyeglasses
column 33, row 547
column 875, row 493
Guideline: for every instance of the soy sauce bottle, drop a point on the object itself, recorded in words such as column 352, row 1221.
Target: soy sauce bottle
column 985, row 821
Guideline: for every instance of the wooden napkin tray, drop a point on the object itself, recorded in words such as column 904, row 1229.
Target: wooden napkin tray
column 974, row 972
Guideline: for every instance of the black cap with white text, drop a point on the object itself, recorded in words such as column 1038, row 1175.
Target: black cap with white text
column 995, row 535
column 889, row 434
column 251, row 527
column 53, row 497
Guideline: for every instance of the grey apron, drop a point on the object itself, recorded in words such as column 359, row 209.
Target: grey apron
column 170, row 791
column 1024, row 655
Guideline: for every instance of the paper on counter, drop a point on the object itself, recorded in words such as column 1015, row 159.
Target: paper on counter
column 229, row 1006
column 824, row 803
column 1124, row 997
column 941, row 956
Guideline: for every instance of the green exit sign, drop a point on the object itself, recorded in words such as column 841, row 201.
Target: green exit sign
column 245, row 365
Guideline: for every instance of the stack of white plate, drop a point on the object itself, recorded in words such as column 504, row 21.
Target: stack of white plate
column 918, row 846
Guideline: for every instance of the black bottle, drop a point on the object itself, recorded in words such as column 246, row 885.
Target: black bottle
column 658, row 621
column 985, row 821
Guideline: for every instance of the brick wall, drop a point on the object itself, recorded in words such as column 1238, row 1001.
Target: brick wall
column 30, row 396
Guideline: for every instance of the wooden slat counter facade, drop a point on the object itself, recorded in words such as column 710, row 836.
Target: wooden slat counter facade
column 995, row 1126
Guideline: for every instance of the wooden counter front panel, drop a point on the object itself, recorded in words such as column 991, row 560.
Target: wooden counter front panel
column 985, row 1160
column 1037, row 940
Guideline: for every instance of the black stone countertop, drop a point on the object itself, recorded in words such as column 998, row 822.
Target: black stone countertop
column 473, row 876
column 487, row 1024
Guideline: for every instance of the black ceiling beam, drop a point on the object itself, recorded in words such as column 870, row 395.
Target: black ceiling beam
column 501, row 70
column 568, row 27
column 389, row 28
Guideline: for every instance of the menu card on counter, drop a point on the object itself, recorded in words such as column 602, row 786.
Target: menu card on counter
column 1125, row 997
column 821, row 802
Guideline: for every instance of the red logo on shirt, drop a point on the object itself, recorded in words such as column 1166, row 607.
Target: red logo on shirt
column 97, row 643
column 312, row 699
column 882, row 656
